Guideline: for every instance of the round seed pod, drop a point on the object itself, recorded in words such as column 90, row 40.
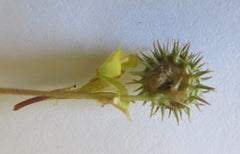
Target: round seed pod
column 172, row 79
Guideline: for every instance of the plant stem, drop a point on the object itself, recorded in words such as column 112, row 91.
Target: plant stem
column 73, row 95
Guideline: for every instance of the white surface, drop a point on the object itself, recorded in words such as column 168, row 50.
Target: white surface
column 51, row 44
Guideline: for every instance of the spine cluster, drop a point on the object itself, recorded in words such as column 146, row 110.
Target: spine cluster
column 173, row 79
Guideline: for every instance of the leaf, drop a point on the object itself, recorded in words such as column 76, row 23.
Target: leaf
column 94, row 85
column 107, row 77
column 115, row 85
column 130, row 61
column 121, row 90
column 112, row 67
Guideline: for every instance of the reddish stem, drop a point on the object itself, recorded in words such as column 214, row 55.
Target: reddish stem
column 29, row 101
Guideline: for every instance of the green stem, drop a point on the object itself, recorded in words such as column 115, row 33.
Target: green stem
column 72, row 95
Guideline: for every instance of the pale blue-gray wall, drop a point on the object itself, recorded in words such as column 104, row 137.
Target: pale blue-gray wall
column 49, row 44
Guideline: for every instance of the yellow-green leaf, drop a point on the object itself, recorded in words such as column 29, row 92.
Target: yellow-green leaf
column 107, row 77
column 112, row 67
column 121, row 90
column 96, row 84
column 130, row 61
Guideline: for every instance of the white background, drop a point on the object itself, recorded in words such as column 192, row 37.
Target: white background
column 49, row 44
